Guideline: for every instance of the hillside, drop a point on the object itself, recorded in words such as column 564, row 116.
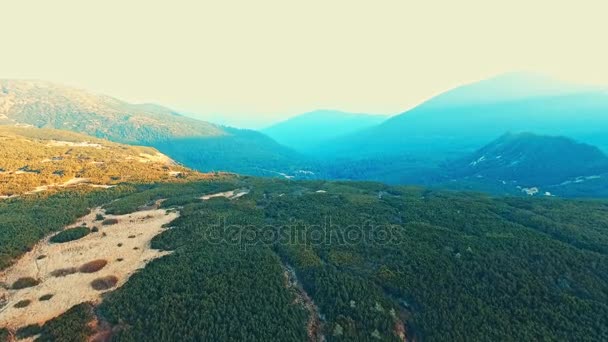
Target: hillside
column 245, row 152
column 526, row 161
column 38, row 160
column 47, row 105
column 197, row 144
column 307, row 131
column 338, row 261
column 462, row 120
column 532, row 159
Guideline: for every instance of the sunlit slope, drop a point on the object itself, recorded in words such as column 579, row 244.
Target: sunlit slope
column 48, row 105
column 35, row 160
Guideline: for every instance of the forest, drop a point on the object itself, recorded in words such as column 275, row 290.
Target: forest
column 378, row 262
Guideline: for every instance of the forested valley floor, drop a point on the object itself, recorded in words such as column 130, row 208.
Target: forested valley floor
column 378, row 262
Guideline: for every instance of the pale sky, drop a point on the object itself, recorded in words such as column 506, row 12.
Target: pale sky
column 254, row 62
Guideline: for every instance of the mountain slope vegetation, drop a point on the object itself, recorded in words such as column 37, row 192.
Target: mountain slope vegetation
column 461, row 120
column 47, row 105
column 197, row 144
column 242, row 151
column 378, row 262
column 36, row 160
column 523, row 161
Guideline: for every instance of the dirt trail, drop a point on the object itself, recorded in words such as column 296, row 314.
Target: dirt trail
column 314, row 327
column 125, row 246
column 232, row 194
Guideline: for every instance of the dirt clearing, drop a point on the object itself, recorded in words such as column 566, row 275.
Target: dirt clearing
column 91, row 258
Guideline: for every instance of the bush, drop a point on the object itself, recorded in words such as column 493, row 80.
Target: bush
column 93, row 266
column 62, row 272
column 46, row 297
column 23, row 303
column 28, row 331
column 99, row 217
column 104, row 283
column 4, row 334
column 109, row 222
column 72, row 326
column 70, row 235
column 94, row 229
column 25, row 282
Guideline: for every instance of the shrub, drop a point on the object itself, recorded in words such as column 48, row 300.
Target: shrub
column 104, row 283
column 28, row 331
column 25, row 282
column 70, row 327
column 99, row 217
column 40, row 257
column 46, row 297
column 93, row 266
column 109, row 222
column 62, row 272
column 70, row 235
column 4, row 334
column 23, row 303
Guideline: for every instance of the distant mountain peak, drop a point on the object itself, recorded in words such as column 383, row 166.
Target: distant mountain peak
column 508, row 87
column 532, row 160
column 48, row 105
column 309, row 130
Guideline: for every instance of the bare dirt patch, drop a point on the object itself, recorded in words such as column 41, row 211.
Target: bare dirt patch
column 89, row 253
column 232, row 194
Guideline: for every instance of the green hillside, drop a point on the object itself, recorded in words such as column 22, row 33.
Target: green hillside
column 376, row 261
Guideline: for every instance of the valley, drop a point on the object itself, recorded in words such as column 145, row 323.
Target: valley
column 310, row 171
column 368, row 255
column 115, row 235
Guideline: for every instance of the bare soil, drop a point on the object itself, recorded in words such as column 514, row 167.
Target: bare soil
column 88, row 253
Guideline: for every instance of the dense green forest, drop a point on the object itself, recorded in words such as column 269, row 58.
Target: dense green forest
column 374, row 259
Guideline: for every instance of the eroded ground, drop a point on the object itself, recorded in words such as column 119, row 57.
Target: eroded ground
column 124, row 245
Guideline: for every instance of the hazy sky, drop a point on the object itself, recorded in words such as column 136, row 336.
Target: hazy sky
column 254, row 62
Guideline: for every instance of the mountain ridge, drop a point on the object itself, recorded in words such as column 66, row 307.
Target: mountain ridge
column 305, row 131
column 441, row 131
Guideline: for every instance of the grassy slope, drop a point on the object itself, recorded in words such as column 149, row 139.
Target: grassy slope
column 30, row 157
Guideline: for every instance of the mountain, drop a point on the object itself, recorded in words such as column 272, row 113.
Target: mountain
column 302, row 261
column 36, row 160
column 47, row 105
column 245, row 152
column 461, row 120
column 310, row 130
column 197, row 144
column 527, row 161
